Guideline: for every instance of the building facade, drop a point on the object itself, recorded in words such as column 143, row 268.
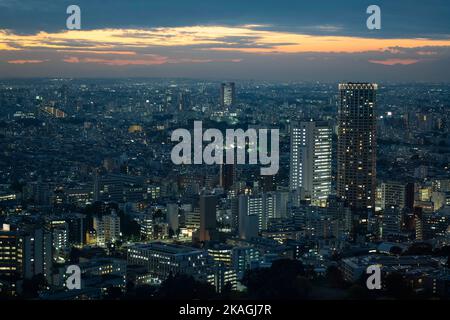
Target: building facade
column 310, row 162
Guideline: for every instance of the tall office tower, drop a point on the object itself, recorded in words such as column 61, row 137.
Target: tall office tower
column 227, row 176
column 310, row 164
column 227, row 94
column 356, row 152
column 208, row 220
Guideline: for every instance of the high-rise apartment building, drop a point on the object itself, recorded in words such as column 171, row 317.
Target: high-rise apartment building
column 356, row 152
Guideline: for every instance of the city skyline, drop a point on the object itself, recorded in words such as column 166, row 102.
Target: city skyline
column 238, row 151
column 105, row 204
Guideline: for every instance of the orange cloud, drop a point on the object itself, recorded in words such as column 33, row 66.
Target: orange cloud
column 187, row 60
column 393, row 62
column 106, row 52
column 6, row 47
column 147, row 60
column 248, row 39
column 71, row 60
column 155, row 60
column 25, row 61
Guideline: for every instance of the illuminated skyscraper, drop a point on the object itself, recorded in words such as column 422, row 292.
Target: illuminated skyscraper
column 227, row 94
column 356, row 152
column 310, row 164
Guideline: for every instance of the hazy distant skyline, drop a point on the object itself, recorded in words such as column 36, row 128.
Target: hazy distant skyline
column 261, row 40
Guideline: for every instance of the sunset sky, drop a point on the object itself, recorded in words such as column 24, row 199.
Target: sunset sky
column 246, row 39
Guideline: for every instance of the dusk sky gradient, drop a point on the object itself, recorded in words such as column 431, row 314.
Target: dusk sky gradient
column 262, row 40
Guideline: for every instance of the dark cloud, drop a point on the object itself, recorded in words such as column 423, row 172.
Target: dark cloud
column 404, row 18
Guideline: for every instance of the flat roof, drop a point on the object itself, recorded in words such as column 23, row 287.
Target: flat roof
column 166, row 248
